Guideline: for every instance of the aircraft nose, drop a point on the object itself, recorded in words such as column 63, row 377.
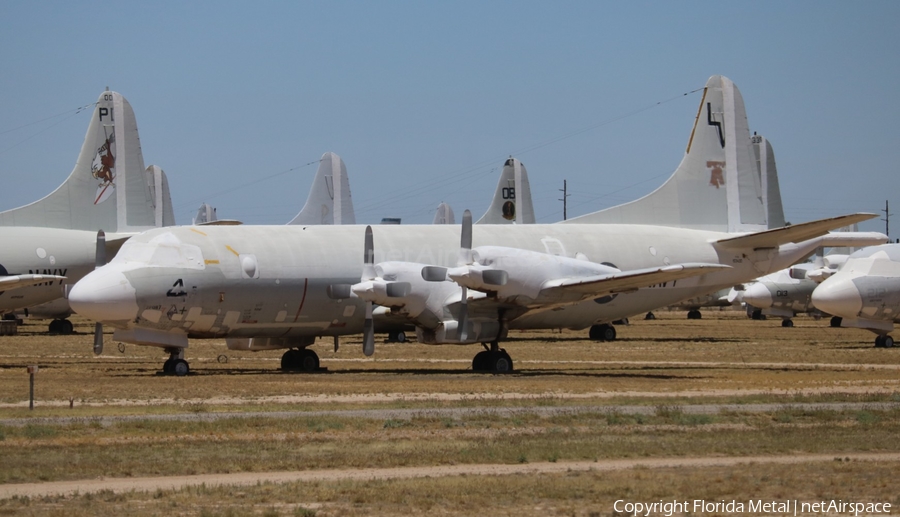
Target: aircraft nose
column 104, row 295
column 838, row 296
column 758, row 295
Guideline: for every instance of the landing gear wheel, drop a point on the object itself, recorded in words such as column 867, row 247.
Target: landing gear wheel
column 66, row 327
column 650, row 316
column 480, row 361
column 169, row 366
column 604, row 332
column 879, row 342
column 180, row 368
column 694, row 315
column 308, row 360
column 888, row 342
column 757, row 315
column 787, row 323
column 836, row 321
column 290, row 360
column 501, row 362
column 397, row 336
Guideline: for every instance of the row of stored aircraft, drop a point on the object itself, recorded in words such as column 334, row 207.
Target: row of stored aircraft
column 265, row 287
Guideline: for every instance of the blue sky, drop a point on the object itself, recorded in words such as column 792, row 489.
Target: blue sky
column 425, row 100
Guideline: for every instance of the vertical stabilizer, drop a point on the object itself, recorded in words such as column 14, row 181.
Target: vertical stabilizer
column 205, row 215
column 768, row 175
column 329, row 198
column 107, row 189
column 716, row 186
column 444, row 215
column 512, row 199
column 163, row 211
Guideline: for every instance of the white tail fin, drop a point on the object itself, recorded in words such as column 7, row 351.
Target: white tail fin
column 717, row 185
column 768, row 175
column 163, row 211
column 206, row 214
column 444, row 215
column 329, row 198
column 108, row 188
column 512, row 199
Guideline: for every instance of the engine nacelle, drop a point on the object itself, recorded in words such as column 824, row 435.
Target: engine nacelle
column 478, row 331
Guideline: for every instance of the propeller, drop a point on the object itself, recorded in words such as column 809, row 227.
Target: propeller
column 368, row 275
column 465, row 259
column 99, row 261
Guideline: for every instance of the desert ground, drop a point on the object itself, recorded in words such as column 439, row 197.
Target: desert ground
column 719, row 409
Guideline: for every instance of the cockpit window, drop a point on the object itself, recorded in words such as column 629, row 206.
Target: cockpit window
column 164, row 250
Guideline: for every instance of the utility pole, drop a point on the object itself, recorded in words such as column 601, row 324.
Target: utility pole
column 565, row 195
column 887, row 218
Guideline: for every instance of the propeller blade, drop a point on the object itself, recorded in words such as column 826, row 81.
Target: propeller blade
column 463, row 313
column 369, row 256
column 98, row 338
column 99, row 261
column 369, row 332
column 465, row 240
column 100, row 256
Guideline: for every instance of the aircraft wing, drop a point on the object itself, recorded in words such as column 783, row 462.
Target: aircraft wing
column 17, row 281
column 601, row 285
column 795, row 233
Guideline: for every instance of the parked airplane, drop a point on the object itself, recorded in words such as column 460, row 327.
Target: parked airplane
column 865, row 292
column 444, row 215
column 266, row 287
column 109, row 188
column 511, row 203
column 329, row 199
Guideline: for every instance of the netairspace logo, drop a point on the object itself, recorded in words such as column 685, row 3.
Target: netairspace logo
column 756, row 506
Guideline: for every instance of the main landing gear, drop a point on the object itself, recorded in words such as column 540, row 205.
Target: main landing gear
column 62, row 326
column 493, row 359
column 396, row 336
column 175, row 364
column 694, row 314
column 302, row 360
column 884, row 342
column 787, row 323
column 604, row 332
column 836, row 321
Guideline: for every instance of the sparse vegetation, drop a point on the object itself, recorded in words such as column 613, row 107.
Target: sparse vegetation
column 643, row 385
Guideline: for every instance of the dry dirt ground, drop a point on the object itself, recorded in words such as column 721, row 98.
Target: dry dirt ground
column 725, row 358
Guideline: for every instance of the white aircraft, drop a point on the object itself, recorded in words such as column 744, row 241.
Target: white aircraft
column 50, row 244
column 265, row 287
column 329, row 199
column 865, row 292
column 511, row 203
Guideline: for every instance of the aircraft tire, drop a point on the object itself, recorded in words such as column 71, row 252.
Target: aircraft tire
column 888, row 342
column 604, row 332
column 836, row 321
column 180, row 368
column 787, row 323
column 168, row 366
column 501, row 362
column 308, row 360
column 480, row 361
column 290, row 360
column 879, row 341
column 401, row 337
column 53, row 328
column 694, row 315
column 66, row 327
column 609, row 333
column 650, row 316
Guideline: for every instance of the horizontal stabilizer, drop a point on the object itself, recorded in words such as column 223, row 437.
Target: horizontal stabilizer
column 221, row 222
column 17, row 281
column 794, row 233
column 625, row 281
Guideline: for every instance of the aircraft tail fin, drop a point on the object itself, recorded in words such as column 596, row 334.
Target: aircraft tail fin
column 444, row 215
column 716, row 186
column 329, row 199
column 108, row 188
column 768, row 175
column 205, row 215
column 163, row 211
column 512, row 199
